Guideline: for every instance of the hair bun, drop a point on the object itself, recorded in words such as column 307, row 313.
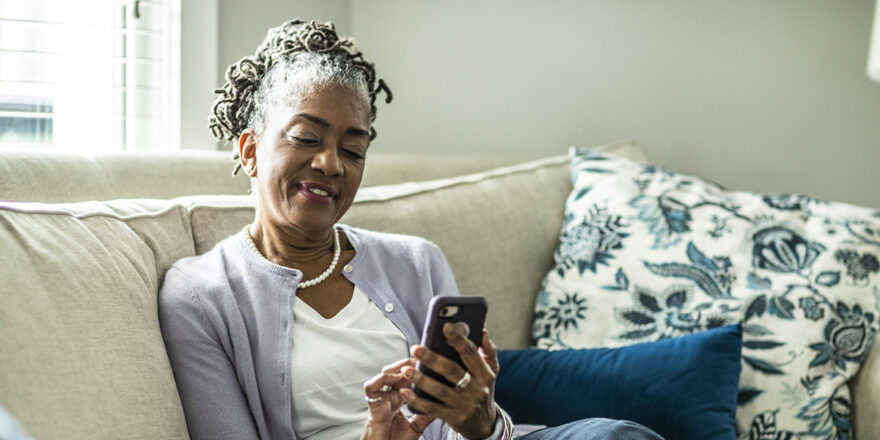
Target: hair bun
column 318, row 37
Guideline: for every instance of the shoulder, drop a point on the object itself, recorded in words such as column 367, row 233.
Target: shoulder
column 403, row 255
column 390, row 242
column 399, row 248
column 199, row 268
column 189, row 278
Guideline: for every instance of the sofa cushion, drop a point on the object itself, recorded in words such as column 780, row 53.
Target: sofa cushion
column 462, row 215
column 647, row 254
column 10, row 429
column 57, row 176
column 83, row 356
column 682, row 388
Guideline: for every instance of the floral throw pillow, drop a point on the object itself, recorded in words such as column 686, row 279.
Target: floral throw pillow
column 647, row 254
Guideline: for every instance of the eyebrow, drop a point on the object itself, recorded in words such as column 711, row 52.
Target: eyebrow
column 323, row 122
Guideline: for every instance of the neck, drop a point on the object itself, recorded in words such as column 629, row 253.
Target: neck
column 290, row 247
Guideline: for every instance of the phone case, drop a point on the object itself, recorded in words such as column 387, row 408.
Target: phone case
column 471, row 310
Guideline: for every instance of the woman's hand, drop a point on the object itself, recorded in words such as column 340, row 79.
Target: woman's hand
column 469, row 407
column 386, row 421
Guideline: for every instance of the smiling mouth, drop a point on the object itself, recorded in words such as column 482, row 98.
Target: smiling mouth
column 318, row 193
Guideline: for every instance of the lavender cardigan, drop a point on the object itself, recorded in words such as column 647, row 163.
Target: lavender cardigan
column 226, row 317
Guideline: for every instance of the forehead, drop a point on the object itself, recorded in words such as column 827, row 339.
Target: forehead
column 335, row 104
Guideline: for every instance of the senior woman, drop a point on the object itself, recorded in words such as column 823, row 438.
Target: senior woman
column 299, row 327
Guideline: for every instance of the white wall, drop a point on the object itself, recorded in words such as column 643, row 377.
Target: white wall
column 756, row 95
column 217, row 33
column 243, row 24
column 198, row 61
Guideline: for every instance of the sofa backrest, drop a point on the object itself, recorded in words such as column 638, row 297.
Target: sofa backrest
column 50, row 176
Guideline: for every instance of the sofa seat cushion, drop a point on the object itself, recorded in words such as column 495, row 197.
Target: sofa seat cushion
column 647, row 254
column 83, row 356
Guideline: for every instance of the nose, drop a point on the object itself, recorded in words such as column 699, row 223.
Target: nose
column 327, row 161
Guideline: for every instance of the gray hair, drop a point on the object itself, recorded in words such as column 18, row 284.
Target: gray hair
column 297, row 78
column 295, row 59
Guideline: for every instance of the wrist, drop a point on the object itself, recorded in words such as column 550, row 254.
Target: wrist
column 490, row 430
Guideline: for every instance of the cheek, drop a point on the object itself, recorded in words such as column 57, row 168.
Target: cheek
column 354, row 181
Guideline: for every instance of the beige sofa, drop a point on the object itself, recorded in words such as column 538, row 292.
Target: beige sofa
column 82, row 356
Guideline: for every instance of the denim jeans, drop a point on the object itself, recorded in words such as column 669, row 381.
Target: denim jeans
column 594, row 429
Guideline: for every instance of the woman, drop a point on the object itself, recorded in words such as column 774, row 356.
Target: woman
column 298, row 327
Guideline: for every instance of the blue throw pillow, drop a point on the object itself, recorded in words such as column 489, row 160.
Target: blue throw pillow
column 682, row 388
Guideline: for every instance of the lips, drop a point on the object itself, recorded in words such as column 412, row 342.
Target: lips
column 317, row 192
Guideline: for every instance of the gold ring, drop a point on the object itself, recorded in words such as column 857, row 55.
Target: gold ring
column 372, row 399
column 465, row 380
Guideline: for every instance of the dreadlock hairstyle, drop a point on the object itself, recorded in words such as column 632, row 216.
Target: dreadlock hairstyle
column 293, row 49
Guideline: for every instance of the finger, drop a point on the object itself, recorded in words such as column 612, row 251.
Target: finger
column 448, row 395
column 424, row 406
column 383, row 383
column 382, row 401
column 394, row 399
column 489, row 352
column 442, row 365
column 456, row 335
column 420, row 422
column 381, row 410
column 396, row 366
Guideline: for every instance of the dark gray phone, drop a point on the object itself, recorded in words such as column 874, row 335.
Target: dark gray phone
column 442, row 309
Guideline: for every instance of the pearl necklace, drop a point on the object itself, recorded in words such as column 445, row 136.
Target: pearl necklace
column 337, row 249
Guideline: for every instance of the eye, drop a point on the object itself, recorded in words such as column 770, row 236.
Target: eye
column 353, row 154
column 304, row 141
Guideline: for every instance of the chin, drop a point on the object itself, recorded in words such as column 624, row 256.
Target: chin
column 312, row 223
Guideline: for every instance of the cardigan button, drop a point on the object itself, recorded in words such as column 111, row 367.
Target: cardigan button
column 347, row 268
column 389, row 307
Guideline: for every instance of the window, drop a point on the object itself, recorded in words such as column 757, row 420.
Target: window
column 90, row 75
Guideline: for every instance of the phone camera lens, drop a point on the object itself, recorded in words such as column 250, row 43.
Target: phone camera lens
column 447, row 311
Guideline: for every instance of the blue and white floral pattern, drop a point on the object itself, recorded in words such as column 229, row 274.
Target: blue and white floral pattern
column 665, row 315
column 647, row 254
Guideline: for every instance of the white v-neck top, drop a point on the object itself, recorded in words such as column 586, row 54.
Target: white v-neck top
column 330, row 361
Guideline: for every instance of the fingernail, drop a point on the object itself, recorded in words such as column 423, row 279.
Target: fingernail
column 417, row 351
column 407, row 373
column 462, row 328
column 448, row 329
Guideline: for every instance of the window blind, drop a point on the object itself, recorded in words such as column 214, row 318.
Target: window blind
column 90, row 74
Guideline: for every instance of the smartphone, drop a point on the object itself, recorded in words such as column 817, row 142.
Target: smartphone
column 470, row 310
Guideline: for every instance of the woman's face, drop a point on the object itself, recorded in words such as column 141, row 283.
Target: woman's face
column 310, row 159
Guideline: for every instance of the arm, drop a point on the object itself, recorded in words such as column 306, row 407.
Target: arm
column 213, row 402
column 484, row 359
column 442, row 279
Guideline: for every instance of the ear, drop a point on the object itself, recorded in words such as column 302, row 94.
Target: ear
column 247, row 152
